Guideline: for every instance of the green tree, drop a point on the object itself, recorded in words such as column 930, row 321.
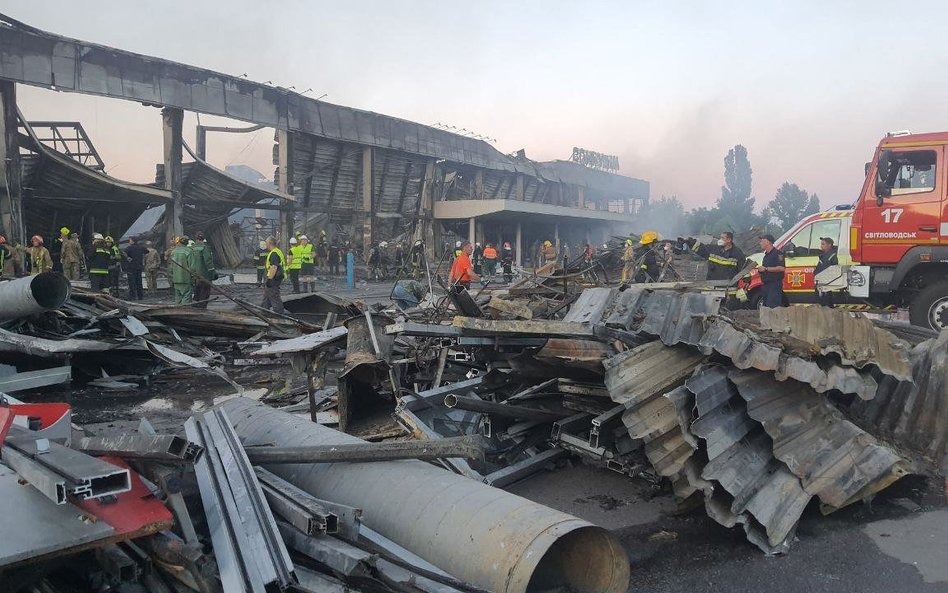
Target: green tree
column 736, row 201
column 790, row 204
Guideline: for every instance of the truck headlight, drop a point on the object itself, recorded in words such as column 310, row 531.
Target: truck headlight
column 856, row 278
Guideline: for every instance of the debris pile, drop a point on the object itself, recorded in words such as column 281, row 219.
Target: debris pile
column 380, row 464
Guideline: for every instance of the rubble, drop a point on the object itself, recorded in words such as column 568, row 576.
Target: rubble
column 750, row 417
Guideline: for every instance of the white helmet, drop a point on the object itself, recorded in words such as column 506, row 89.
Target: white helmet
column 97, row 236
column 458, row 244
column 292, row 240
column 304, row 237
column 383, row 244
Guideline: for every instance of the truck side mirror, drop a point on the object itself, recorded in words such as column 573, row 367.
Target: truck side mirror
column 790, row 249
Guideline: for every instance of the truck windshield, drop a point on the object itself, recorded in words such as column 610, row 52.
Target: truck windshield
column 912, row 172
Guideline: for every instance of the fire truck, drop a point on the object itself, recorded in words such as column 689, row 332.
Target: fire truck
column 893, row 241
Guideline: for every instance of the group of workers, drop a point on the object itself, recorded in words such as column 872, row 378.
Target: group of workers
column 472, row 262
column 104, row 261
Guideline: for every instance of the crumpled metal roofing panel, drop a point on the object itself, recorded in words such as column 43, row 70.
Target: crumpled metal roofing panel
column 913, row 413
column 747, row 350
column 657, row 422
column 674, row 316
column 765, row 498
column 856, row 340
column 588, row 354
column 648, row 371
column 835, row 460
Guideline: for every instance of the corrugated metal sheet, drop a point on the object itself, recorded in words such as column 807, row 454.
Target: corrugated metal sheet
column 748, row 349
column 914, row 413
column 587, row 354
column 834, row 459
column 765, row 498
column 648, row 371
column 672, row 315
column 657, row 422
column 855, row 339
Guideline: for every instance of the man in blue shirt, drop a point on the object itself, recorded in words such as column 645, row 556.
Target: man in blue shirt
column 771, row 272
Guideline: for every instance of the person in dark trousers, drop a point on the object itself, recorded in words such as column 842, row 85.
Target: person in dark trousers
column 134, row 266
column 771, row 272
column 100, row 260
column 202, row 264
column 829, row 256
column 335, row 258
column 115, row 264
column 506, row 261
column 261, row 259
column 276, row 264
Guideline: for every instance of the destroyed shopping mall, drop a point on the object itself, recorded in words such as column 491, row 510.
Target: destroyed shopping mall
column 468, row 374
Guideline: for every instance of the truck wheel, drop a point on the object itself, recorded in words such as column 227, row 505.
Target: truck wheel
column 930, row 307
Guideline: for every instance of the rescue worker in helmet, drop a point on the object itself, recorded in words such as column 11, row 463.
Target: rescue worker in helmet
column 417, row 259
column 648, row 269
column 39, row 257
column 506, row 261
column 628, row 261
column 549, row 252
column 261, row 262
column 115, row 262
column 99, row 259
column 7, row 255
column 70, row 254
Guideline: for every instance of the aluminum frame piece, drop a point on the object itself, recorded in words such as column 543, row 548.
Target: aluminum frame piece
column 36, row 527
column 80, row 476
column 250, row 552
column 835, row 460
column 497, row 541
column 164, row 447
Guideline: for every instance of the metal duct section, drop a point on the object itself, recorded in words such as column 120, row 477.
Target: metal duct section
column 33, row 294
column 483, row 535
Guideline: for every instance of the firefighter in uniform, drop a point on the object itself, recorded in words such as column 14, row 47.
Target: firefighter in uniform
column 40, row 259
column 648, row 268
column 261, row 259
column 100, row 258
column 628, row 261
column 115, row 261
column 152, row 263
column 202, row 264
column 725, row 259
column 70, row 254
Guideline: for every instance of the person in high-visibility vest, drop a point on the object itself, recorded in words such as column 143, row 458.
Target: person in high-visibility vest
column 490, row 260
column 115, row 264
column 276, row 264
column 295, row 264
column 307, row 264
column 180, row 268
column 40, row 259
column 100, row 258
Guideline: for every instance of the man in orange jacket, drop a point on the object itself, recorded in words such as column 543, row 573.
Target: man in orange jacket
column 462, row 270
column 490, row 260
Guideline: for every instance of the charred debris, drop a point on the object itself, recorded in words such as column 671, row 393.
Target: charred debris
column 347, row 475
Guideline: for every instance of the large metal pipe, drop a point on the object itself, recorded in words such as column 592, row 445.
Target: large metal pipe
column 33, row 294
column 482, row 535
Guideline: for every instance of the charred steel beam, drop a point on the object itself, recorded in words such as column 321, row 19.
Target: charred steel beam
column 476, row 404
column 466, row 447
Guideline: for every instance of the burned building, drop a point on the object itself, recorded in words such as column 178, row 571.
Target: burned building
column 360, row 176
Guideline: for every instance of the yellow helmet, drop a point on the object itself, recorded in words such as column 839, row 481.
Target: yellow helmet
column 547, row 244
column 64, row 231
column 628, row 242
column 648, row 237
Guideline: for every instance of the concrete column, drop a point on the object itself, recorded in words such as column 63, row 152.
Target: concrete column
column 581, row 199
column 479, row 185
column 424, row 230
column 518, row 248
column 471, row 228
column 519, row 187
column 367, row 199
column 172, row 119
column 285, row 185
column 11, row 189
column 200, row 143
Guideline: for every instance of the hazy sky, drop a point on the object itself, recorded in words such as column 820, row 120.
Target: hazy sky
column 669, row 87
